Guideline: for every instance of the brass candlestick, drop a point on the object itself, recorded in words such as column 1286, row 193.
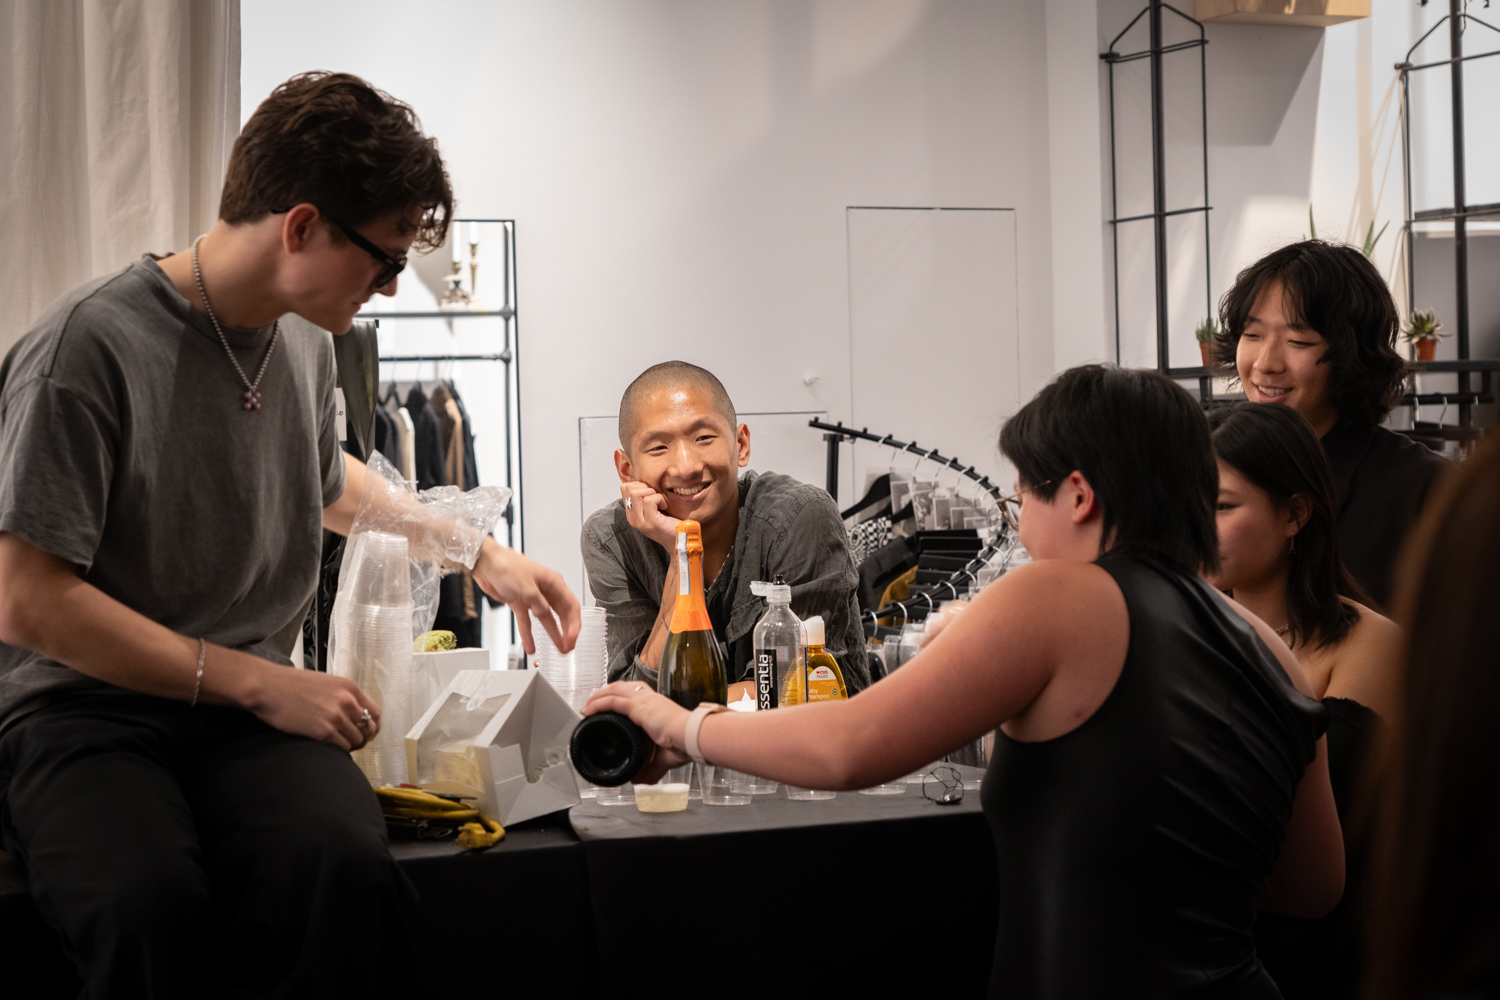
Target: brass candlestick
column 454, row 297
column 474, row 269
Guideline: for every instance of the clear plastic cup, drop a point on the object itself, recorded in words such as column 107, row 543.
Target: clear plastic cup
column 808, row 794
column 620, row 795
column 890, row 788
column 382, row 572
column 719, row 787
column 752, row 785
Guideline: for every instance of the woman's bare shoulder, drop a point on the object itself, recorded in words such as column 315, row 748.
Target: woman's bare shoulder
column 1365, row 662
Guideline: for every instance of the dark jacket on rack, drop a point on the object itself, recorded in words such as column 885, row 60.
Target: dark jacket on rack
column 459, row 597
column 1382, row 479
column 431, row 451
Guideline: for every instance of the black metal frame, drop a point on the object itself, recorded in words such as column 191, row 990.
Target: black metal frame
column 515, row 516
column 1459, row 213
column 1159, row 214
column 836, row 434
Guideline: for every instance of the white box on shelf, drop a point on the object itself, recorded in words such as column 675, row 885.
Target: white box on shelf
column 502, row 736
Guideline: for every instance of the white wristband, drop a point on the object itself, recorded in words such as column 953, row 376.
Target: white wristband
column 690, row 738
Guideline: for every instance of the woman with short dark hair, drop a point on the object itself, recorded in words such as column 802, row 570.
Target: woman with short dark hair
column 1278, row 556
column 1159, row 763
column 1312, row 326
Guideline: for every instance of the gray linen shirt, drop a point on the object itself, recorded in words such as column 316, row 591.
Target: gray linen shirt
column 124, row 449
column 786, row 527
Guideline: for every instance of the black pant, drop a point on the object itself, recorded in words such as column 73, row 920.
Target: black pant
column 197, row 852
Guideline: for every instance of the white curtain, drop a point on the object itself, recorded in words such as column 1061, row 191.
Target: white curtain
column 116, row 121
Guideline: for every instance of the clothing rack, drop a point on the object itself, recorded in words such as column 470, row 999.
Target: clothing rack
column 503, row 356
column 836, row 434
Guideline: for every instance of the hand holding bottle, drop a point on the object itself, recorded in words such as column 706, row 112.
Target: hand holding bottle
column 664, row 721
column 643, row 510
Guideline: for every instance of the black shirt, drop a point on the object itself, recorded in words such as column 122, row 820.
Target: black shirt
column 1323, row 959
column 1382, row 479
column 1131, row 849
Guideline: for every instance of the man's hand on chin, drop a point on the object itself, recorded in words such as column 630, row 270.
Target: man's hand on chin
column 643, row 509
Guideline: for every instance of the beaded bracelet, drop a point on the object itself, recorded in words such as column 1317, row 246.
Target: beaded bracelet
column 198, row 682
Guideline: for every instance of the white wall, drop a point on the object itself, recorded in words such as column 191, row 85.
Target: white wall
column 679, row 173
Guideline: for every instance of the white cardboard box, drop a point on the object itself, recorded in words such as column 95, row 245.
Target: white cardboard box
column 433, row 672
column 501, row 735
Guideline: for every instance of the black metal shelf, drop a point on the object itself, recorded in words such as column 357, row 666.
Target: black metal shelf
column 1459, row 213
column 1156, row 51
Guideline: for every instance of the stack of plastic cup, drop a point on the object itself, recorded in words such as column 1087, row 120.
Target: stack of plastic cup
column 372, row 626
column 577, row 675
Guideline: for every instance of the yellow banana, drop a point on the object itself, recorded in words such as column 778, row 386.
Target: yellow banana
column 392, row 797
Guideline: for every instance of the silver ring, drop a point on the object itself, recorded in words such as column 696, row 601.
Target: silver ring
column 627, row 503
column 363, row 720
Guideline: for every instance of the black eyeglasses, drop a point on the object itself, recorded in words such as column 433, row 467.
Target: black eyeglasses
column 389, row 266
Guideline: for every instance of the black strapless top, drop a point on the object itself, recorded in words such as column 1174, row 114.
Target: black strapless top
column 1131, row 849
column 1323, row 959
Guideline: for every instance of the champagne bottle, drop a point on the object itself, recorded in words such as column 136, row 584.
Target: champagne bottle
column 608, row 749
column 692, row 664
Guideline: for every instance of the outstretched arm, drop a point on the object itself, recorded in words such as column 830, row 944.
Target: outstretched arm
column 947, row 696
column 525, row 585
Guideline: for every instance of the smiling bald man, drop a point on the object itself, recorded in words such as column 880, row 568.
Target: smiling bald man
column 681, row 450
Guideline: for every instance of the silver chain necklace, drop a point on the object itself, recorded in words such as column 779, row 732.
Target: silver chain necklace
column 252, row 393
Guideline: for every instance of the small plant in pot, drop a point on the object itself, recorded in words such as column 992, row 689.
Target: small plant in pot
column 1424, row 331
column 1205, row 334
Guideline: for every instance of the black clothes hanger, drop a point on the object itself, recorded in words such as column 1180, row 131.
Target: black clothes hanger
column 880, row 490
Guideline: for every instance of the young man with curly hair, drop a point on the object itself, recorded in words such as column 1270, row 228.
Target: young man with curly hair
column 182, row 798
column 1313, row 326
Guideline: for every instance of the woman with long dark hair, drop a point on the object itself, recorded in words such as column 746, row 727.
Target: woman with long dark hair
column 1278, row 556
column 1159, row 765
column 1437, row 914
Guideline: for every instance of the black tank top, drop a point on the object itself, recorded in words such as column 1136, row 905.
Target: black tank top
column 1131, row 849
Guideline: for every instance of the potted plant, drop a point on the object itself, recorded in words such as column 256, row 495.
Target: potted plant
column 1424, row 331
column 1205, row 334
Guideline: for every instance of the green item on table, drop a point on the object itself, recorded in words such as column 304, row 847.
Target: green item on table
column 436, row 641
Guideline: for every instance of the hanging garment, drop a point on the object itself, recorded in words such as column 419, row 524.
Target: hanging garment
column 430, row 452
column 868, row 537
column 458, row 596
column 387, row 439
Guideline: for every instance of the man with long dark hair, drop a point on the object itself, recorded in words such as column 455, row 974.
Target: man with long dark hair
column 1313, row 326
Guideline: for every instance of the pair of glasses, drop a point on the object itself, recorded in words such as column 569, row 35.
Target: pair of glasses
column 389, row 266
column 1010, row 507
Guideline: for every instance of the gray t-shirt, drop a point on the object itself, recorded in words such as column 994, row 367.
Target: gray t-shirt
column 125, row 449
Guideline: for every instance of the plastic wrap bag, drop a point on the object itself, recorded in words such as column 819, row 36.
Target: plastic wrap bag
column 444, row 528
column 400, row 545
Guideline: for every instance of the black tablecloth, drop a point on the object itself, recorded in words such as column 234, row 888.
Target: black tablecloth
column 874, row 894
column 881, row 895
column 513, row 920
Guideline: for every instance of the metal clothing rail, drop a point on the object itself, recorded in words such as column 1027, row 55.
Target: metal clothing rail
column 503, row 356
column 835, row 434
